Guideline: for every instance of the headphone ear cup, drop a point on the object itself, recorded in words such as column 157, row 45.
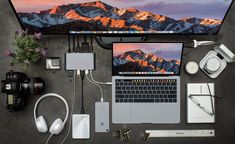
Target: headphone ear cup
column 41, row 124
column 57, row 126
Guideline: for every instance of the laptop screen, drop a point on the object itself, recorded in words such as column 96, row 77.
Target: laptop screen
column 147, row 58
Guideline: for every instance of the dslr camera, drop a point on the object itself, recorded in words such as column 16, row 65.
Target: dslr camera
column 18, row 87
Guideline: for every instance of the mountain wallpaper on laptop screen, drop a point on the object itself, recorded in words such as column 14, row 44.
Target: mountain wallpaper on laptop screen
column 57, row 16
column 149, row 58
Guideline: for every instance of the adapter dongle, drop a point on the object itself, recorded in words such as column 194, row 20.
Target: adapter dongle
column 79, row 61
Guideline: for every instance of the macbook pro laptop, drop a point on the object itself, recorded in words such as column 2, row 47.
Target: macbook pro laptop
column 146, row 83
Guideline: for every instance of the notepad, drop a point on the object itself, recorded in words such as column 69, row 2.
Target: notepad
column 200, row 103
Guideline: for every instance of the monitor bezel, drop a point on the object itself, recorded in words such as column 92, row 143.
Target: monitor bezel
column 132, row 75
column 110, row 34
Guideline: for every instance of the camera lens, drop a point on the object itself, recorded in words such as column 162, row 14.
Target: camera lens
column 38, row 86
column 35, row 86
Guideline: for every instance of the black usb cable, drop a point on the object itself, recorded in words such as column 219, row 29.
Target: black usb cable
column 82, row 78
column 69, row 45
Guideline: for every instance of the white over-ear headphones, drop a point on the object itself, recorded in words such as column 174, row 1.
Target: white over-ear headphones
column 58, row 125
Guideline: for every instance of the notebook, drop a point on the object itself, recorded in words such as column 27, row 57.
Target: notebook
column 200, row 103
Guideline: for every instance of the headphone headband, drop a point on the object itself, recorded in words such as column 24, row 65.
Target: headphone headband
column 52, row 95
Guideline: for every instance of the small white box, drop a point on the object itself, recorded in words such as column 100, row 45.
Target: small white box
column 53, row 63
column 81, row 126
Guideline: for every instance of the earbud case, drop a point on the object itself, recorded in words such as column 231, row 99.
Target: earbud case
column 210, row 56
column 217, row 60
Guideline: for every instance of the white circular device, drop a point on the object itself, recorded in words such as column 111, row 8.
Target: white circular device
column 192, row 67
column 213, row 64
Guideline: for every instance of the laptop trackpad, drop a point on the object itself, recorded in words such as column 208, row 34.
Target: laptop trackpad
column 145, row 113
column 121, row 113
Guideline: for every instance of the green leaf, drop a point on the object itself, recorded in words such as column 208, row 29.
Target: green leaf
column 26, row 49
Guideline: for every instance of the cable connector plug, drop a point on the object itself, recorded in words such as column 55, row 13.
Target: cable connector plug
column 78, row 73
column 86, row 72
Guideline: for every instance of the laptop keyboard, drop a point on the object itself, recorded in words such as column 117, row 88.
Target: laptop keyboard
column 146, row 90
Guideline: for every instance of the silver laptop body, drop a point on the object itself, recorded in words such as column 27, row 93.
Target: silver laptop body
column 155, row 113
column 136, row 113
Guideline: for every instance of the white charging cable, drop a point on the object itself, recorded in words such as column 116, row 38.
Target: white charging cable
column 101, row 90
column 102, row 83
column 74, row 96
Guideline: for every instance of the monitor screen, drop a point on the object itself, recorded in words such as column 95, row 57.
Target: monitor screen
column 147, row 58
column 122, row 16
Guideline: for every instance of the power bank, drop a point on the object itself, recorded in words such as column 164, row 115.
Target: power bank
column 81, row 126
column 102, row 117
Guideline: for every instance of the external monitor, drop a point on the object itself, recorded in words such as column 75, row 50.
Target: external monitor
column 122, row 16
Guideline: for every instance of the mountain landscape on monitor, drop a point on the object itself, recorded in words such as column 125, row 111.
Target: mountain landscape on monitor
column 138, row 61
column 99, row 16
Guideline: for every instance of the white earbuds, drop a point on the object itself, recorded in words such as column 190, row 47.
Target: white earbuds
column 58, row 125
column 212, row 65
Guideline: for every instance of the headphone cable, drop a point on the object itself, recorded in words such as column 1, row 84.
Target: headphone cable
column 48, row 139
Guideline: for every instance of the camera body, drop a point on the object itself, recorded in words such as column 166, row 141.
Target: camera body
column 18, row 87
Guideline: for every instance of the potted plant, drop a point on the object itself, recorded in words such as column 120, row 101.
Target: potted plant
column 27, row 49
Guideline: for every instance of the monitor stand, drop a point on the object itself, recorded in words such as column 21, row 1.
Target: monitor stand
column 106, row 41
